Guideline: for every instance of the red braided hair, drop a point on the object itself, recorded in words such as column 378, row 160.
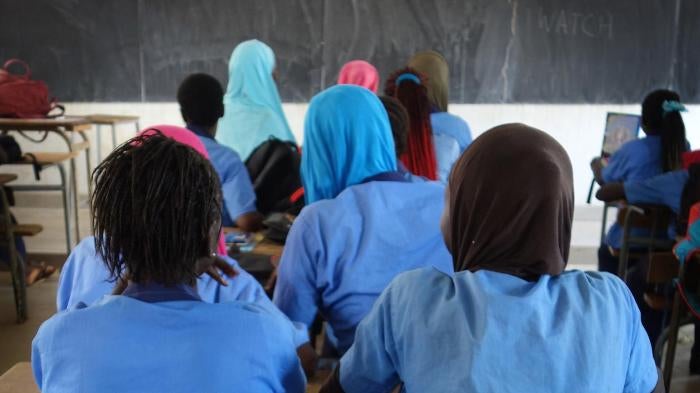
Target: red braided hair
column 419, row 157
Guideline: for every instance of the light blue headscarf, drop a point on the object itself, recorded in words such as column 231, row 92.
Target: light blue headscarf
column 253, row 109
column 347, row 138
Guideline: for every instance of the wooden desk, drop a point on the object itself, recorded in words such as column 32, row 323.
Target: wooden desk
column 264, row 246
column 18, row 379
column 111, row 121
column 65, row 127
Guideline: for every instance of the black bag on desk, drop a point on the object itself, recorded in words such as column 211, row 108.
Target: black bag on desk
column 274, row 170
column 9, row 150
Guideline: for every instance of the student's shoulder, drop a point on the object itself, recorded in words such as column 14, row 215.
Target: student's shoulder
column 603, row 286
column 394, row 189
column 263, row 314
column 219, row 149
column 67, row 322
column 417, row 283
column 640, row 146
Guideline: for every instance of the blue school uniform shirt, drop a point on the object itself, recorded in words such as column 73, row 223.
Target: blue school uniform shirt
column 451, row 136
column 636, row 160
column 85, row 280
column 341, row 253
column 166, row 342
column 236, row 187
column 446, row 154
column 665, row 189
column 493, row 332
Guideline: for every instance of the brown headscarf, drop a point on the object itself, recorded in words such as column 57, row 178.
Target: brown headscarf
column 511, row 201
column 434, row 66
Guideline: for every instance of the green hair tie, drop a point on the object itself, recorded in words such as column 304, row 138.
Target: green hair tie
column 673, row 106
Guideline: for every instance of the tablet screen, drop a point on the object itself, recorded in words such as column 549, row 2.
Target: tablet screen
column 620, row 128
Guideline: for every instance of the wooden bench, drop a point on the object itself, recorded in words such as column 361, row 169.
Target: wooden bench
column 18, row 379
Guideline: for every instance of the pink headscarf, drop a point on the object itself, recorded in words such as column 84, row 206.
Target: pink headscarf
column 186, row 137
column 360, row 73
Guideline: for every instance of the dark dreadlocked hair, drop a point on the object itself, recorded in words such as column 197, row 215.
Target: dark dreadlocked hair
column 419, row 157
column 398, row 118
column 156, row 206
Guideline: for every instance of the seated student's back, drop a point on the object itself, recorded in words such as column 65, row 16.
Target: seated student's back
column 510, row 319
column 200, row 97
column 435, row 67
column 364, row 222
column 156, row 333
column 85, row 279
column 659, row 152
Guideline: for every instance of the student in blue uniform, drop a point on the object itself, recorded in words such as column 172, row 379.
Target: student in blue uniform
column 201, row 104
column 253, row 108
column 659, row 152
column 435, row 67
column 668, row 189
column 363, row 223
column 427, row 155
column 157, row 214
column 510, row 319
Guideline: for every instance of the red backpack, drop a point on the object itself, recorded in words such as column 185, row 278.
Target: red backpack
column 22, row 97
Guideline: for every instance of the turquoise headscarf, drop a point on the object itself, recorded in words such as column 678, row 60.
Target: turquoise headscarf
column 253, row 109
column 347, row 138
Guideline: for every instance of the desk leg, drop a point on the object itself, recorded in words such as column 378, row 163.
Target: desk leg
column 99, row 143
column 66, row 205
column 74, row 191
column 88, row 162
column 114, row 137
column 138, row 127
column 73, row 180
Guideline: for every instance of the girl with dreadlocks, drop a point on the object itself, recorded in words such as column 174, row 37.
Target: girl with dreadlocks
column 364, row 222
column 428, row 155
column 157, row 217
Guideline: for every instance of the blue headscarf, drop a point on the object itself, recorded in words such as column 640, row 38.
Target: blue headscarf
column 347, row 139
column 253, row 109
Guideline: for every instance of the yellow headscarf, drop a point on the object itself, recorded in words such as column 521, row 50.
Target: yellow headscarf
column 434, row 66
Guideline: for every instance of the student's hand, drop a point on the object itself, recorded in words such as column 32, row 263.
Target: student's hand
column 597, row 165
column 216, row 265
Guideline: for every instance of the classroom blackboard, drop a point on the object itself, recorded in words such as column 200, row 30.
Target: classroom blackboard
column 522, row 51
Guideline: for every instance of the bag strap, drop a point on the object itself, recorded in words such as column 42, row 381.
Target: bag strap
column 41, row 139
column 54, row 105
column 35, row 165
column 27, row 72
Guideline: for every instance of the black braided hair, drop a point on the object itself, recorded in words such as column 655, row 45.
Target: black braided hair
column 156, row 209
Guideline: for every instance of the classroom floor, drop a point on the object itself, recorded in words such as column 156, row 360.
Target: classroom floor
column 15, row 340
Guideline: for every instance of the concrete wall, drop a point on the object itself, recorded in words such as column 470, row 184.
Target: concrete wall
column 579, row 128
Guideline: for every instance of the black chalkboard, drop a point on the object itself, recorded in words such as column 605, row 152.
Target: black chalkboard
column 687, row 65
column 538, row 51
column 85, row 50
column 183, row 36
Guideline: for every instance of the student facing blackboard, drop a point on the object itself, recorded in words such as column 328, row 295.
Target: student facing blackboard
column 157, row 232
column 659, row 152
